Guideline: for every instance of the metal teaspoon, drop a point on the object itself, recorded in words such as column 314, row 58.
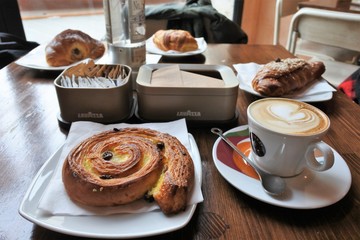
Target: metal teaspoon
column 272, row 184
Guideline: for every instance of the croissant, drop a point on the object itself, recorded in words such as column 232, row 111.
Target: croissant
column 282, row 77
column 177, row 40
column 122, row 165
column 71, row 46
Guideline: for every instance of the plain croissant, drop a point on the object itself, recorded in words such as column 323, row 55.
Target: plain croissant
column 177, row 40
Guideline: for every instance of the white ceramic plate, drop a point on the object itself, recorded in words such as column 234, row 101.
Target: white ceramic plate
column 111, row 226
column 319, row 97
column 308, row 190
column 151, row 48
column 36, row 59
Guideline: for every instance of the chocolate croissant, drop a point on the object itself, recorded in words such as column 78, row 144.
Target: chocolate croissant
column 282, row 77
column 177, row 40
column 71, row 46
column 122, row 165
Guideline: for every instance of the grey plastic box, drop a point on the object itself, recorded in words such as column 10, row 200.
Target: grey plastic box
column 103, row 105
column 192, row 103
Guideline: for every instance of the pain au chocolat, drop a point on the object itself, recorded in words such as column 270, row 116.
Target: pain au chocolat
column 175, row 39
column 284, row 76
column 123, row 165
column 71, row 46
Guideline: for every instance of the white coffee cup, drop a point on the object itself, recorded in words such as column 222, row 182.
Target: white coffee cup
column 284, row 134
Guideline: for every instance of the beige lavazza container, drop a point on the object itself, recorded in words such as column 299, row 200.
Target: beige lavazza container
column 195, row 92
column 103, row 105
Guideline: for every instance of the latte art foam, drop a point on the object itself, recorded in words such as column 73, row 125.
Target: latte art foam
column 289, row 117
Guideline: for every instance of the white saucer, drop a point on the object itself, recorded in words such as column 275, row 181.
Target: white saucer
column 308, row 190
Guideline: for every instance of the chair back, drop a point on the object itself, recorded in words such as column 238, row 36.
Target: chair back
column 327, row 36
column 332, row 28
column 283, row 8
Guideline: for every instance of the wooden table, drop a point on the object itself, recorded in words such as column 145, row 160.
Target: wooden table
column 30, row 134
column 335, row 5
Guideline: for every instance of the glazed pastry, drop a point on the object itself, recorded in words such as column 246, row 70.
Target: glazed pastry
column 71, row 46
column 122, row 165
column 282, row 77
column 177, row 40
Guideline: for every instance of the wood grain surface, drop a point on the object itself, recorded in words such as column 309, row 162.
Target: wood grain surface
column 30, row 134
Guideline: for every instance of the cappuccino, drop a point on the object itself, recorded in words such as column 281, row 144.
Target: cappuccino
column 288, row 116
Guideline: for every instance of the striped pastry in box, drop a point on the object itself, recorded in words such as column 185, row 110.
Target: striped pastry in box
column 95, row 92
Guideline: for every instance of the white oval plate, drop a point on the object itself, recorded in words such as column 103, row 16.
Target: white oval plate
column 308, row 190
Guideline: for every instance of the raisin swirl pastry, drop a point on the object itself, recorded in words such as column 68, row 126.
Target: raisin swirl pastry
column 122, row 165
column 71, row 46
column 285, row 76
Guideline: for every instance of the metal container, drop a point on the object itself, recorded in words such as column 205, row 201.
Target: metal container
column 125, row 32
column 103, row 105
column 192, row 103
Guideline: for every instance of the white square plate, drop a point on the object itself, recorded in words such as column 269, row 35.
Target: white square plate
column 110, row 226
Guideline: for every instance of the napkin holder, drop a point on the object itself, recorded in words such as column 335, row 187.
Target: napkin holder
column 102, row 105
column 195, row 104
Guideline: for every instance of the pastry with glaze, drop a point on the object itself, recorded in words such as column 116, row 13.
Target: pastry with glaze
column 123, row 165
column 71, row 46
column 282, row 77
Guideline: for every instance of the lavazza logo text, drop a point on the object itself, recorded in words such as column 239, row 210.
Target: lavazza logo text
column 188, row 113
column 90, row 115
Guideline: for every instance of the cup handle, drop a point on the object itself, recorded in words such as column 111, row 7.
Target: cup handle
column 328, row 156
